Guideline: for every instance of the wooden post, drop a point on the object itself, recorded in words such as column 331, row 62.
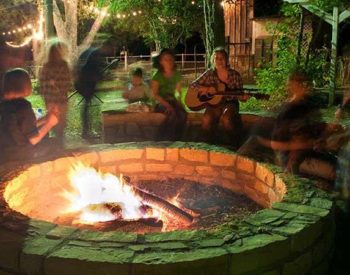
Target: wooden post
column 333, row 68
column 125, row 60
column 301, row 34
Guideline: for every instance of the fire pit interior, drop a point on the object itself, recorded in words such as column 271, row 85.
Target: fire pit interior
column 196, row 209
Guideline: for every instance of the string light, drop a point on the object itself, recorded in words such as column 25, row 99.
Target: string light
column 37, row 34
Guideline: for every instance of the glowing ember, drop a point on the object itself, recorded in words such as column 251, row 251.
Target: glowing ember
column 101, row 197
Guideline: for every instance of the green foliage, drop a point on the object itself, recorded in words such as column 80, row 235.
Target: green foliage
column 162, row 22
column 272, row 78
column 327, row 5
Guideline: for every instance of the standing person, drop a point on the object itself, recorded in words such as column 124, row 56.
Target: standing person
column 165, row 81
column 21, row 135
column 222, row 77
column 55, row 83
column 89, row 73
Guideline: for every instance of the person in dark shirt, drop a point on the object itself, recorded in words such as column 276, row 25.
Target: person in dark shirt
column 297, row 132
column 20, row 132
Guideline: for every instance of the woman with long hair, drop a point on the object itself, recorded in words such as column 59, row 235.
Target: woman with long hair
column 165, row 82
column 55, row 83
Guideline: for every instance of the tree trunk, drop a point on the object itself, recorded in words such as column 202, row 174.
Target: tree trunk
column 214, row 27
column 49, row 26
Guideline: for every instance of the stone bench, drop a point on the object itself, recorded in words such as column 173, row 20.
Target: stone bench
column 119, row 126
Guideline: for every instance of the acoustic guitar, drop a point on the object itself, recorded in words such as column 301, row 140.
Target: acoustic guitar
column 196, row 100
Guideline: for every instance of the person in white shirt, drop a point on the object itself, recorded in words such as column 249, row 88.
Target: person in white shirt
column 137, row 89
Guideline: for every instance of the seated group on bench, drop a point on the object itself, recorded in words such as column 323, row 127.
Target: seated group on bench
column 299, row 143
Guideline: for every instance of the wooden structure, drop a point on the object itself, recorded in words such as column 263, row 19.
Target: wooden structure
column 238, row 31
column 334, row 19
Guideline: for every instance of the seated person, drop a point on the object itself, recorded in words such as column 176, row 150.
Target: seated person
column 296, row 133
column 137, row 89
column 21, row 134
column 220, row 75
column 166, row 81
column 344, row 108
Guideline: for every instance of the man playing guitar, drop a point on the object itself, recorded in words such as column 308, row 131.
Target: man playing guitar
column 220, row 78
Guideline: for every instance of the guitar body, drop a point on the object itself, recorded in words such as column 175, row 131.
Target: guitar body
column 194, row 102
column 197, row 102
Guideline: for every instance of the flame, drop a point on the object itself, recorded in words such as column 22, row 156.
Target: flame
column 93, row 191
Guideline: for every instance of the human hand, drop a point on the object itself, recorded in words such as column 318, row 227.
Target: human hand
column 338, row 114
column 169, row 110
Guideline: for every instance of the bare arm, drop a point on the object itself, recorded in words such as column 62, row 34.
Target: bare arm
column 292, row 145
column 47, row 123
column 156, row 96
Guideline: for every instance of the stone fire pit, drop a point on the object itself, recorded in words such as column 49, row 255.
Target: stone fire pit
column 292, row 235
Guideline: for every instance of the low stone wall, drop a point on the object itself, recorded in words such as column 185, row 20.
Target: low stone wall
column 294, row 236
column 125, row 127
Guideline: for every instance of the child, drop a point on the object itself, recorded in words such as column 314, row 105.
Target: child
column 55, row 83
column 20, row 132
column 137, row 90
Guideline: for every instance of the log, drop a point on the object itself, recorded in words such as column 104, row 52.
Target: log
column 161, row 204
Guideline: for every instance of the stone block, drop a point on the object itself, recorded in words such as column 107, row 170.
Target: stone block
column 117, row 155
column 60, row 232
column 245, row 165
column 108, row 169
column 110, row 236
column 300, row 266
column 89, row 159
column 194, row 155
column 10, row 246
column 46, row 168
column 172, row 154
column 301, row 209
column 261, row 187
column 246, row 179
column 155, row 154
column 280, row 186
column 158, row 167
column 221, row 159
column 63, row 164
column 131, row 168
column 34, row 172
column 228, row 174
column 321, row 203
column 34, row 252
column 265, row 175
column 258, row 252
column 265, row 216
column 231, row 185
column 72, row 260
column 207, row 171
column 183, row 169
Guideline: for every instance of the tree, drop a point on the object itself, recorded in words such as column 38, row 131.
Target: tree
column 214, row 26
column 162, row 23
column 68, row 16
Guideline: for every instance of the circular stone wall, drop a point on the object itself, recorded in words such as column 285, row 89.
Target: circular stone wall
column 294, row 235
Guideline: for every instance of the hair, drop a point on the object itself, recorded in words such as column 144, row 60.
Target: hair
column 55, row 51
column 15, row 82
column 219, row 50
column 300, row 76
column 163, row 52
column 137, row 72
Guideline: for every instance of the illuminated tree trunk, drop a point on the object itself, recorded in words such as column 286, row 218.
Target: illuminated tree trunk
column 66, row 24
column 49, row 26
column 214, row 27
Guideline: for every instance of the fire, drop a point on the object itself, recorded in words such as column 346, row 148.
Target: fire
column 100, row 197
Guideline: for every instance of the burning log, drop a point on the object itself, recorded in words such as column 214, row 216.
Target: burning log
column 161, row 204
